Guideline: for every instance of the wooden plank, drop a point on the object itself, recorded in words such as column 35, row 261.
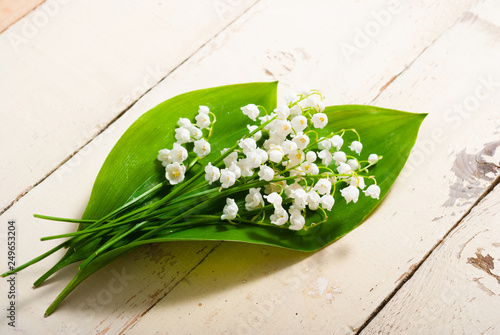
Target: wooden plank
column 457, row 290
column 13, row 10
column 252, row 289
column 112, row 299
column 324, row 278
column 70, row 67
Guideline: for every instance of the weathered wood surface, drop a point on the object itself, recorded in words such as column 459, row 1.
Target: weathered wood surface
column 13, row 10
column 69, row 68
column 435, row 58
column 457, row 289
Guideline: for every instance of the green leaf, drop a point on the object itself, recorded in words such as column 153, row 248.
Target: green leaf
column 132, row 162
column 131, row 168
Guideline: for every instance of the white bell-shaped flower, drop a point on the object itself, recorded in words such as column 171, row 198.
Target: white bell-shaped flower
column 275, row 153
column 350, row 193
column 275, row 199
column 175, row 173
column 327, row 202
column 357, row 181
column 235, row 168
column 282, row 111
column 266, row 173
column 323, row 186
column 184, row 122
column 289, row 147
column 195, row 132
column 297, row 220
column 299, row 197
column 202, row 120
column 326, row 157
column 279, row 217
column 204, row 110
column 296, row 158
column 227, row 178
column 309, row 168
column 299, row 123
column 201, row 147
column 251, row 110
column 373, row 158
column 319, row 120
column 178, row 153
column 337, row 141
column 254, row 199
column 356, row 146
column 343, row 168
column 301, row 140
column 373, row 191
column 231, row 158
column 353, row 163
column 258, row 135
column 248, row 145
column 182, row 135
column 212, row 173
column 295, row 110
column 313, row 200
column 311, row 156
column 339, row 157
column 230, row 210
column 164, row 157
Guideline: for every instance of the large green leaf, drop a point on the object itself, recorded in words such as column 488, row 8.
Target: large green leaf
column 131, row 166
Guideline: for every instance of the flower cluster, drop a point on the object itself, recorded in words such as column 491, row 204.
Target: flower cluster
column 187, row 132
column 283, row 164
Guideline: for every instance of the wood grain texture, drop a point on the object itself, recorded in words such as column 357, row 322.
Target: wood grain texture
column 13, row 10
column 457, row 290
column 337, row 289
column 241, row 288
column 70, row 67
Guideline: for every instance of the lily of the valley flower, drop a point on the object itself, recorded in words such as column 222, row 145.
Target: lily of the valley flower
column 229, row 211
column 203, row 120
column 297, row 221
column 373, row 191
column 356, row 146
column 175, row 173
column 350, row 193
column 320, row 120
column 201, row 147
column 251, row 110
column 254, row 199
column 212, row 173
column 327, row 202
column 373, row 158
column 227, row 178
column 279, row 217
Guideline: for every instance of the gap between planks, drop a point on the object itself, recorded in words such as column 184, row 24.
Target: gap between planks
column 134, row 321
column 120, row 114
column 383, row 88
column 408, row 275
column 17, row 16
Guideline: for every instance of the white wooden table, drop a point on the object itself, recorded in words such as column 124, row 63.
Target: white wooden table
column 75, row 74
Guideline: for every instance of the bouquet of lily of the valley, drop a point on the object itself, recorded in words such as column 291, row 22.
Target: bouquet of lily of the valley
column 227, row 163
